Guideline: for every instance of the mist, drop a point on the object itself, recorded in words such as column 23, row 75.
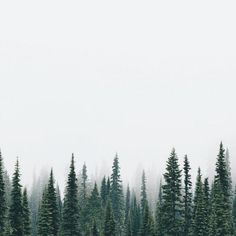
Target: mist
column 96, row 78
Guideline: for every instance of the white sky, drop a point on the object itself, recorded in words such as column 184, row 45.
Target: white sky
column 99, row 77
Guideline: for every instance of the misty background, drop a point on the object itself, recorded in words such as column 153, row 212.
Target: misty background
column 99, row 77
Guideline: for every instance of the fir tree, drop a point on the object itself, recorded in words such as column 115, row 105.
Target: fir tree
column 16, row 210
column 25, row 214
column 59, row 206
column 199, row 224
column 127, row 206
column 71, row 206
column 187, row 196
column 52, row 206
column 109, row 225
column 103, row 192
column 3, row 206
column 207, row 205
column 117, row 197
column 143, row 193
column 159, row 205
column 135, row 215
column 172, row 209
column 95, row 231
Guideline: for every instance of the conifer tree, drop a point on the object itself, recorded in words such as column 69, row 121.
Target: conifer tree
column 25, row 214
column 135, row 215
column 71, row 206
column 158, row 224
column 207, row 205
column 109, row 225
column 103, row 192
column 108, row 188
column 16, row 209
column 187, row 197
column 221, row 213
column 199, row 224
column 234, row 208
column 172, row 209
column 3, row 206
column 59, row 206
column 117, row 197
column 127, row 206
column 95, row 231
column 143, row 194
column 52, row 206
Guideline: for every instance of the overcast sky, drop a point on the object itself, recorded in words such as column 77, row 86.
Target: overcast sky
column 100, row 77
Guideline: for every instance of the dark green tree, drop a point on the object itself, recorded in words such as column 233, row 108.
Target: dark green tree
column 172, row 208
column 143, row 195
column 187, row 197
column 135, row 216
column 26, row 214
column 199, row 222
column 117, row 197
column 71, row 206
column 3, row 206
column 207, row 205
column 16, row 210
column 109, row 224
column 158, row 216
column 103, row 192
column 60, row 207
column 95, row 231
column 127, row 207
column 52, row 206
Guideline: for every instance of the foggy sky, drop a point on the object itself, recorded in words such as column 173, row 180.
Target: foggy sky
column 100, row 77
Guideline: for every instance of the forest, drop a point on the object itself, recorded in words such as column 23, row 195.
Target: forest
column 108, row 208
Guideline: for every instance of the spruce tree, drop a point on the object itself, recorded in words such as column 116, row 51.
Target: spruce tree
column 103, row 192
column 71, row 206
column 207, row 205
column 52, row 206
column 16, row 210
column 187, row 197
column 221, row 213
column 143, row 194
column 172, row 208
column 109, row 224
column 60, row 207
column 127, row 206
column 199, row 222
column 135, row 215
column 26, row 214
column 3, row 206
column 117, row 197
column 95, row 231
column 158, row 216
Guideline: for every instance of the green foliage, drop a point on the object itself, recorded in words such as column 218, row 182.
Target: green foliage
column 70, row 222
column 25, row 214
column 172, row 208
column 3, row 206
column 16, row 210
column 109, row 224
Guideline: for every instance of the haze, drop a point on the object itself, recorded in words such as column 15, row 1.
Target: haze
column 100, row 77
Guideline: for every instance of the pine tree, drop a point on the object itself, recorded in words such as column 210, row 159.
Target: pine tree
column 3, row 206
column 143, row 195
column 221, row 213
column 147, row 227
column 199, row 224
column 16, row 209
column 103, row 192
column 127, row 206
column 59, row 206
column 187, row 196
column 109, row 225
column 172, row 198
column 158, row 224
column 71, row 206
column 26, row 214
column 135, row 216
column 45, row 219
column 52, row 206
column 207, row 205
column 234, row 208
column 117, row 197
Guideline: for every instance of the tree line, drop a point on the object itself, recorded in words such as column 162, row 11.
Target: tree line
column 106, row 209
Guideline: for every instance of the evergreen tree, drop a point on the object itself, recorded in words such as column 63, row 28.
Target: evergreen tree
column 16, row 210
column 135, row 216
column 109, row 225
column 103, row 192
column 172, row 209
column 187, row 196
column 221, row 212
column 52, row 206
column 234, row 208
column 108, row 188
column 143, row 193
column 127, row 206
column 71, row 206
column 117, row 197
column 3, row 206
column 59, row 206
column 25, row 214
column 45, row 219
column 207, row 205
column 199, row 224
column 95, row 231
column 147, row 227
column 159, row 205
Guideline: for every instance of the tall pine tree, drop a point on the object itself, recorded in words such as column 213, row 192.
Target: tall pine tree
column 26, row 214
column 16, row 209
column 3, row 206
column 172, row 208
column 71, row 206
